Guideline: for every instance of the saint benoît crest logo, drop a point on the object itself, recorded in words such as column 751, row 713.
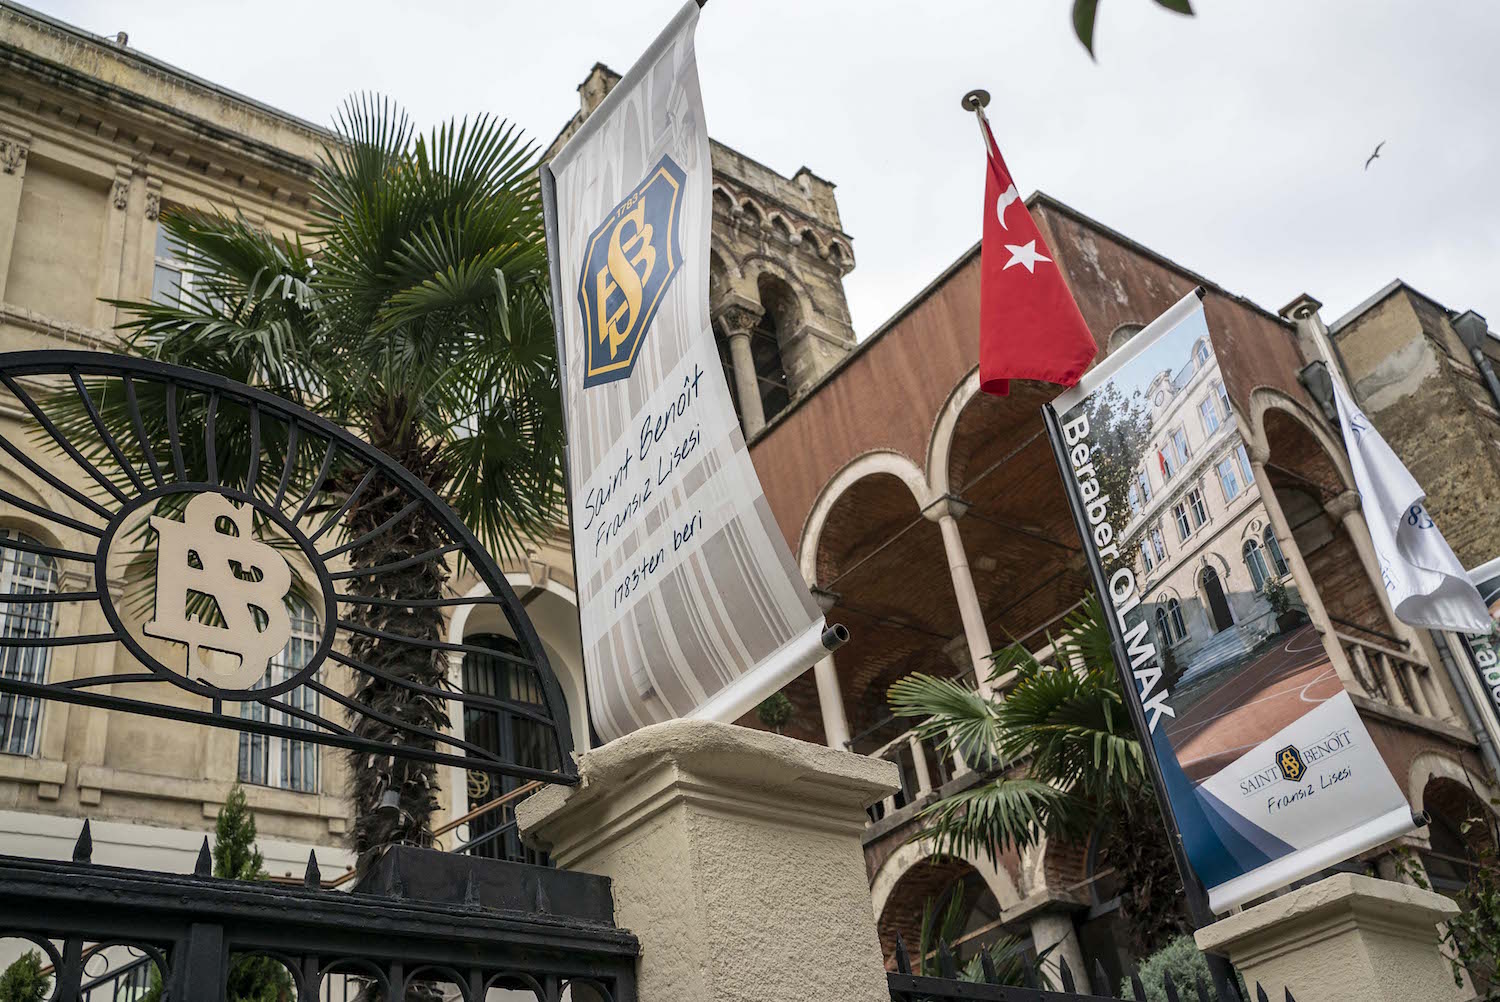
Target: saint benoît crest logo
column 214, row 553
column 628, row 262
column 1289, row 762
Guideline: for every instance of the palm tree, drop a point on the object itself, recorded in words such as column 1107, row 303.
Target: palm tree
column 1070, row 766
column 418, row 317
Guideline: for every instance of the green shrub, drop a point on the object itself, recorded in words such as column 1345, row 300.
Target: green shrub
column 1181, row 957
column 23, row 980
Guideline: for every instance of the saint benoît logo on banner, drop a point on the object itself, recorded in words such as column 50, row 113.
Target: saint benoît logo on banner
column 628, row 262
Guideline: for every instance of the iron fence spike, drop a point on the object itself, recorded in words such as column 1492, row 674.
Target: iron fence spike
column 903, row 959
column 1028, row 973
column 83, row 849
column 205, row 865
column 1260, row 993
column 1138, row 988
column 1170, row 987
column 313, row 877
column 1066, row 973
column 1289, row 995
column 987, row 964
column 946, row 966
column 1101, row 978
column 1203, row 994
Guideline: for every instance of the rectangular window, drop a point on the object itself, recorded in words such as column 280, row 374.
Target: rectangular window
column 1135, row 500
column 1209, row 410
column 1198, row 508
column 1146, row 555
column 1223, row 396
column 171, row 278
column 276, row 761
column 1180, row 513
column 23, row 573
column 1145, row 483
column 1168, row 462
column 1179, row 442
column 1244, row 458
column 1229, row 479
column 1158, row 543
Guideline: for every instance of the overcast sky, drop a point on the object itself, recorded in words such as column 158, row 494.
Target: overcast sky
column 1233, row 142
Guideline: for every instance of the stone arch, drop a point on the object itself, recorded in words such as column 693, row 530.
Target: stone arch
column 944, row 426
column 841, row 254
column 1264, row 400
column 723, row 201
column 1429, row 765
column 811, row 243
column 752, row 213
column 754, row 266
column 866, row 465
column 901, row 862
column 781, row 227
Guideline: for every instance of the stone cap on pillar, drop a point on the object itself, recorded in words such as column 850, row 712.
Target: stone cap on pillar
column 1290, row 921
column 719, row 766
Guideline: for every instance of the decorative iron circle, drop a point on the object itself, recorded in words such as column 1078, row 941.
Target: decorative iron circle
column 128, row 433
column 183, row 678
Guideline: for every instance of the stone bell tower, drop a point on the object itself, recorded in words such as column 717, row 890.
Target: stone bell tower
column 778, row 263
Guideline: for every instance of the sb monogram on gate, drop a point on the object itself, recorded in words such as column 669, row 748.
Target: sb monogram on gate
column 629, row 261
column 212, row 554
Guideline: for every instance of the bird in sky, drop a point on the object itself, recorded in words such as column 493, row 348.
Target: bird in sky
column 1374, row 155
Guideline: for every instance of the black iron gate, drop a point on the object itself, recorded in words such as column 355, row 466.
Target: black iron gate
column 517, row 932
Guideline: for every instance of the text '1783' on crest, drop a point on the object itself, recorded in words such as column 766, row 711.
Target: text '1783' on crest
column 629, row 261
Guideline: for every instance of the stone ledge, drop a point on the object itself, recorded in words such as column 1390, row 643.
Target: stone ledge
column 27, row 769
column 1280, row 925
column 211, row 793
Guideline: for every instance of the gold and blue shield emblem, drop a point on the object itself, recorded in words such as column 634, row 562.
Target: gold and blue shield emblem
column 1289, row 761
column 628, row 263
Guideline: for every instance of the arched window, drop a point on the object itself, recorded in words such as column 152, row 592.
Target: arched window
column 23, row 573
column 512, row 737
column 283, row 762
column 1169, row 621
column 778, row 323
column 1256, row 561
column 1121, row 334
column 1273, row 548
column 1201, row 354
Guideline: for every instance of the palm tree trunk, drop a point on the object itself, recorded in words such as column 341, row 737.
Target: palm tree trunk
column 375, row 826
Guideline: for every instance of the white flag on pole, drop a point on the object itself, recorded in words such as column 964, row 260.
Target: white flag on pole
column 1426, row 583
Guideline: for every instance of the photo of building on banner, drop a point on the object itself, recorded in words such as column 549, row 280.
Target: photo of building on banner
column 1268, row 769
column 690, row 603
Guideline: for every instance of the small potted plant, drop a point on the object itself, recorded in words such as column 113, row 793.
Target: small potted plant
column 1288, row 616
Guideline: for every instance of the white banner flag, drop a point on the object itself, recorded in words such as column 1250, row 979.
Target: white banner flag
column 690, row 603
column 1427, row 585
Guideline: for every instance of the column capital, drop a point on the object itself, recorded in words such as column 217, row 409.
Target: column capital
column 738, row 316
column 1259, row 454
column 947, row 506
column 1344, row 505
column 13, row 151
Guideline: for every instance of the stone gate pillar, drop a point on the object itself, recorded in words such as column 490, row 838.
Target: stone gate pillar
column 735, row 856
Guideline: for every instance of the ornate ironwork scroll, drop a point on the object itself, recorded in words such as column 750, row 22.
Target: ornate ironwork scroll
column 264, row 569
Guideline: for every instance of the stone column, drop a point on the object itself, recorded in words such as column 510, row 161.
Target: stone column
column 735, row 857
column 13, row 151
column 1306, row 589
column 831, row 703
column 738, row 320
column 945, row 511
column 1056, row 930
column 1347, row 938
column 1346, row 509
column 919, row 765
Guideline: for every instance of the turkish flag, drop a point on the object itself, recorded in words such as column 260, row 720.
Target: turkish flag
column 1029, row 326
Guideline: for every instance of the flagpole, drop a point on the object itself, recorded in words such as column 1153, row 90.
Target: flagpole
column 1221, row 972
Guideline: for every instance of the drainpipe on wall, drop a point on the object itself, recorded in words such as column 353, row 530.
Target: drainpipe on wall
column 1472, row 330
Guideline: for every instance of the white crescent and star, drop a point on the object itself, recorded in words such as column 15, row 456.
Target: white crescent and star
column 1008, row 196
column 1025, row 255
